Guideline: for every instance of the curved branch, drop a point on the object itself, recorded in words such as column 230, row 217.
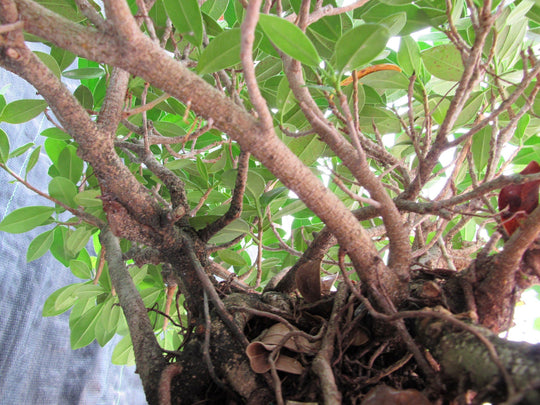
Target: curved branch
column 96, row 146
column 148, row 353
column 235, row 209
column 111, row 111
column 144, row 58
column 400, row 250
column 246, row 54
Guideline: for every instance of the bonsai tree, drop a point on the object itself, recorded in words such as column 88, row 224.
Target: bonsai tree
column 288, row 200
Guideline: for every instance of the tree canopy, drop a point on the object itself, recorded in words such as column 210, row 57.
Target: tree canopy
column 287, row 200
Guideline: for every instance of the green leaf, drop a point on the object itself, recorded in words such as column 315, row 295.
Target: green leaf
column 78, row 240
column 409, row 55
column 39, row 246
column 50, row 62
column 84, row 73
column 267, row 68
column 108, row 321
column 231, row 257
column 88, row 198
column 169, row 129
column 80, row 269
column 63, row 190
column 20, row 150
column 290, row 39
column 138, row 273
column 21, row 111
column 233, row 230
column 83, row 329
column 58, row 248
column 481, row 148
column 360, row 45
column 69, row 165
column 470, row 110
column 33, row 159
column 222, row 52
column 123, row 352
column 394, row 23
column 444, row 62
column 60, row 300
column 4, row 147
column 255, row 185
column 186, row 18
column 307, row 148
column 150, row 296
column 55, row 133
column 63, row 58
column 25, row 219
column 90, row 290
column 522, row 125
column 84, row 96
column 215, row 8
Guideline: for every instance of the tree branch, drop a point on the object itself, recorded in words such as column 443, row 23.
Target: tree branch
column 235, row 208
column 148, row 353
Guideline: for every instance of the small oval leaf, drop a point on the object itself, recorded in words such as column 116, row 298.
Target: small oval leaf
column 444, row 62
column 20, row 111
column 360, row 45
column 84, row 73
column 25, row 219
column 289, row 39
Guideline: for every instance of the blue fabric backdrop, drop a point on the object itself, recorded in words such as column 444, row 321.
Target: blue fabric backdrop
column 37, row 365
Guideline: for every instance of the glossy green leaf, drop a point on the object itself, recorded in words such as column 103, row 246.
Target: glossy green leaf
column 222, row 52
column 360, row 45
column 60, row 300
column 25, row 219
column 231, row 257
column 138, row 273
column 55, row 133
column 39, row 246
column 84, row 96
column 20, row 150
column 471, row 109
column 69, row 165
column 480, row 148
column 215, row 8
column 255, row 185
column 83, row 329
column 444, row 62
column 169, row 129
column 186, row 18
column 80, row 269
column 233, row 230
column 289, row 39
column 394, row 23
column 88, row 198
column 409, row 55
column 50, row 62
column 4, row 147
column 78, row 240
column 58, row 247
column 150, row 296
column 63, row 57
column 84, row 73
column 63, row 190
column 123, row 352
column 522, row 126
column 89, row 290
column 33, row 159
column 108, row 322
column 21, row 111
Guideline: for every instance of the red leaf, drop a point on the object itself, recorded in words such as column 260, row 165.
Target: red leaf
column 519, row 200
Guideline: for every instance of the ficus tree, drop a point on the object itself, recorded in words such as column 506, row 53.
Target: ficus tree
column 288, row 200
